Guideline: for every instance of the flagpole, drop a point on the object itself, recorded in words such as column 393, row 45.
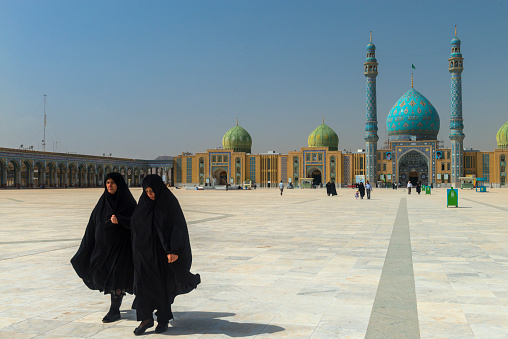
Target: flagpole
column 44, row 140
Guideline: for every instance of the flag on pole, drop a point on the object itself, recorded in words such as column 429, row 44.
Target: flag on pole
column 413, row 66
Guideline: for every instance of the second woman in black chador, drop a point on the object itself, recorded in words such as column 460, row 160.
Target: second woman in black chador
column 161, row 253
column 104, row 258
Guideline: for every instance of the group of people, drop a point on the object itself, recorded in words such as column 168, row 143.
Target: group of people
column 141, row 249
column 330, row 189
column 418, row 187
column 362, row 189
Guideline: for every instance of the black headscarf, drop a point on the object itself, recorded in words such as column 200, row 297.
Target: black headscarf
column 159, row 229
column 104, row 258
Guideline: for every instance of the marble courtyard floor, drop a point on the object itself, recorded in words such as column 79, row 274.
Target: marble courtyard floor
column 301, row 265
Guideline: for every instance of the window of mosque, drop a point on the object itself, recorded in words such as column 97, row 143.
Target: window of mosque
column 379, row 167
column 268, row 165
column 219, row 158
column 320, row 157
column 448, row 166
column 332, row 160
column 502, row 158
column 308, row 157
column 214, row 158
column 225, row 158
column 503, row 169
column 448, row 155
column 296, row 160
column 314, row 156
column 384, row 167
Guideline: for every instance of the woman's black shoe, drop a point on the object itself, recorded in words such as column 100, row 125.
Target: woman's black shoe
column 114, row 310
column 161, row 327
column 141, row 329
column 109, row 318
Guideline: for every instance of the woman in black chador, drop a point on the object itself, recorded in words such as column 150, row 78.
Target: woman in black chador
column 161, row 253
column 104, row 259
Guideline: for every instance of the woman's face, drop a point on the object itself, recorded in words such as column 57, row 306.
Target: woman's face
column 111, row 186
column 150, row 193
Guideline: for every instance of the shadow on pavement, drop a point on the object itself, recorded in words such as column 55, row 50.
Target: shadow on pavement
column 188, row 323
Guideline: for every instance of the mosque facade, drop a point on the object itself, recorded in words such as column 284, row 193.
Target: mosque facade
column 412, row 152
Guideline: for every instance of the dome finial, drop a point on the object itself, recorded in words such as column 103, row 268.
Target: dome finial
column 323, row 119
column 370, row 36
column 455, row 30
column 411, row 79
column 236, row 121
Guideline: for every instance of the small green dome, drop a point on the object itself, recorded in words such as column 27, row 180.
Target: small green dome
column 324, row 136
column 237, row 139
column 502, row 136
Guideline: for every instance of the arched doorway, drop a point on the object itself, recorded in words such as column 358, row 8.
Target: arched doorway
column 316, row 174
column 220, row 176
column 3, row 174
column 12, row 174
column 39, row 173
column 414, row 167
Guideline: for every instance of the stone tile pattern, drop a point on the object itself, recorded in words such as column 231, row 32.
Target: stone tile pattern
column 301, row 265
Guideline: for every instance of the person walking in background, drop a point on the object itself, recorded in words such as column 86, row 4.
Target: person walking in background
column 418, row 187
column 368, row 188
column 161, row 253
column 333, row 190
column 328, row 192
column 104, row 258
column 281, row 187
column 409, row 186
column 361, row 188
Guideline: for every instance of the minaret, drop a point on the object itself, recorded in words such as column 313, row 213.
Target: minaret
column 371, row 137
column 456, row 125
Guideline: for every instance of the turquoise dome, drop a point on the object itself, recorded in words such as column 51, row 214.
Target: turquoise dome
column 455, row 41
column 371, row 46
column 412, row 115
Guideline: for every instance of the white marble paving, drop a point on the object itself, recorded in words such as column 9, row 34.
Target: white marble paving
column 301, row 265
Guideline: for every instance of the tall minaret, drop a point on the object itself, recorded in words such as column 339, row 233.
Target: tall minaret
column 456, row 125
column 371, row 136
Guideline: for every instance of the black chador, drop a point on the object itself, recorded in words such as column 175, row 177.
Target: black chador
column 333, row 190
column 104, row 258
column 158, row 231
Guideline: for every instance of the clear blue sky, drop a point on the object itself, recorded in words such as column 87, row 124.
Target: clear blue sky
column 146, row 78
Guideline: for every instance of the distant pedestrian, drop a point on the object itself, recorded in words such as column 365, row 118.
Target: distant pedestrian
column 409, row 186
column 333, row 190
column 368, row 188
column 418, row 187
column 328, row 192
column 281, row 187
column 357, row 194
column 361, row 188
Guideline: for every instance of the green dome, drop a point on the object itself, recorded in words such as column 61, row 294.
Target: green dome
column 502, row 136
column 324, row 136
column 237, row 139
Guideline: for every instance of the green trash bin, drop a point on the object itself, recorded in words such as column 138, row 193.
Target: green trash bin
column 427, row 189
column 452, row 197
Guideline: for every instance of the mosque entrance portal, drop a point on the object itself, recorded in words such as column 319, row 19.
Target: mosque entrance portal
column 315, row 174
column 414, row 167
column 220, row 176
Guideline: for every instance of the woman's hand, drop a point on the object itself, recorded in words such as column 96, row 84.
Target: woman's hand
column 172, row 258
column 114, row 220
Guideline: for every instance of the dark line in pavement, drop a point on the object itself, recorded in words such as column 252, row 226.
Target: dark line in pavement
column 484, row 203
column 394, row 313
